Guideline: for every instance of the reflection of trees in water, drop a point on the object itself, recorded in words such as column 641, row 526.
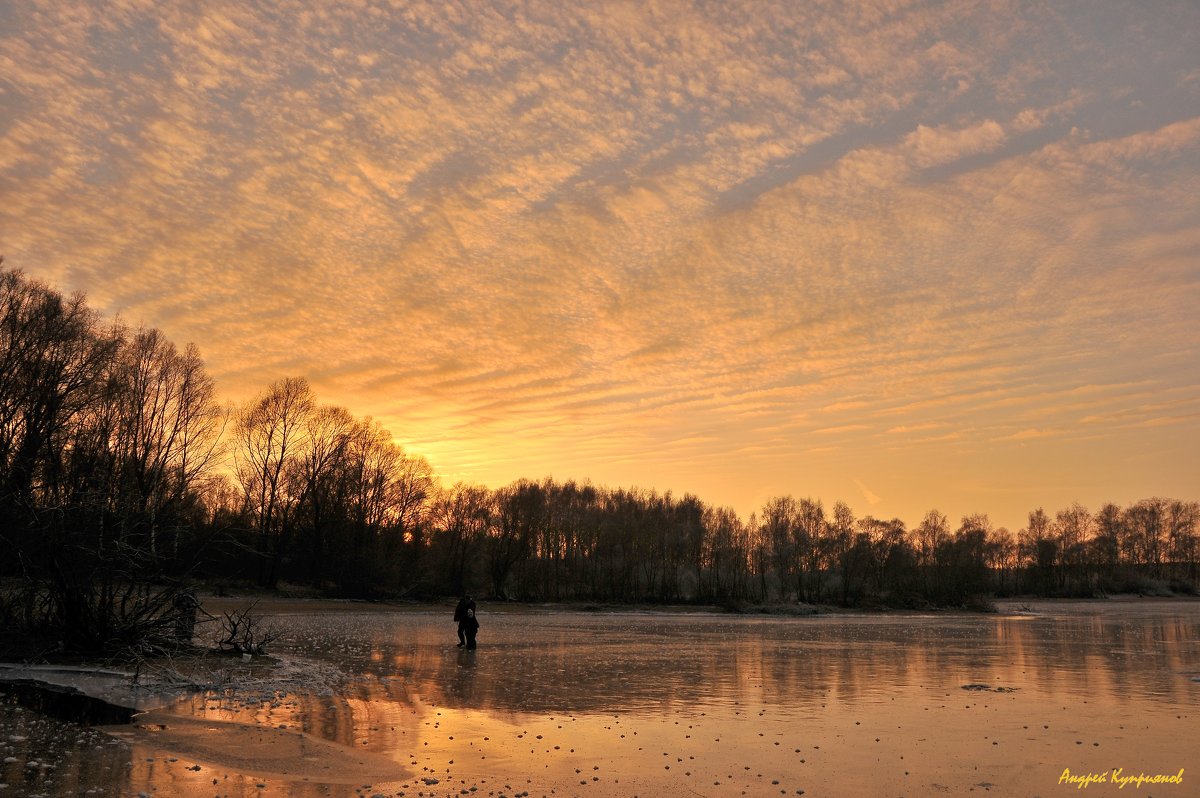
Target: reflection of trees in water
column 599, row 678
column 1119, row 657
column 581, row 663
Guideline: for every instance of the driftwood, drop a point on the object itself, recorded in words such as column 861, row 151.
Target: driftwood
column 242, row 632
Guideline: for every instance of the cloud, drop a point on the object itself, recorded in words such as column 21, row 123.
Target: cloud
column 936, row 146
column 871, row 498
column 1165, row 143
column 536, row 239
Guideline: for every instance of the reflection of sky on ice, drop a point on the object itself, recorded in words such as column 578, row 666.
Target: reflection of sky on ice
column 627, row 662
column 653, row 704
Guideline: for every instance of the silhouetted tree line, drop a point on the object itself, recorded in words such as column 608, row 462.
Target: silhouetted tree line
column 121, row 476
column 552, row 541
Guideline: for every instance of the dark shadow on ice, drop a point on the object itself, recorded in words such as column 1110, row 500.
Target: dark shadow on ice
column 89, row 696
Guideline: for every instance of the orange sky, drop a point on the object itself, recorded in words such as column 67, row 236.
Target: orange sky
column 905, row 255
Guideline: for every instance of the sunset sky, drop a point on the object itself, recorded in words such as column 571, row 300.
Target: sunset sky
column 907, row 255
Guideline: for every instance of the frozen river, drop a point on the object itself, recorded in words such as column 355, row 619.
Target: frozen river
column 554, row 702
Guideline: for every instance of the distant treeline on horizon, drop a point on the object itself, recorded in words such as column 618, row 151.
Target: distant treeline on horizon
column 119, row 469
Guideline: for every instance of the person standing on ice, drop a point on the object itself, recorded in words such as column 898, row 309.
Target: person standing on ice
column 465, row 604
column 471, row 626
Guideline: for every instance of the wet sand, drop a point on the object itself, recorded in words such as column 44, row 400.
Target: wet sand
column 371, row 702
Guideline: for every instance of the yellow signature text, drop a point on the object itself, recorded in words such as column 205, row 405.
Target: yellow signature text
column 1119, row 777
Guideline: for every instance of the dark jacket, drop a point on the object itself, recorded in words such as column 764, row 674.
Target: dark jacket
column 460, row 611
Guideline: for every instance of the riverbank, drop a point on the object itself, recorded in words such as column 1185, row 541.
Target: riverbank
column 285, row 603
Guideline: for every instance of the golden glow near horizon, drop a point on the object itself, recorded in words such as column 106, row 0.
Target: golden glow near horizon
column 906, row 255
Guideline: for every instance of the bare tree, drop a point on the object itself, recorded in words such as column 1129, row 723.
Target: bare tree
column 811, row 538
column 928, row 538
column 317, row 480
column 462, row 517
column 271, row 434
column 166, row 432
column 53, row 361
column 1072, row 530
column 100, row 436
column 1039, row 550
column 778, row 520
column 519, row 510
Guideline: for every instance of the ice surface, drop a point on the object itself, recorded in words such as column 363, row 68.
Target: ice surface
column 618, row 704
